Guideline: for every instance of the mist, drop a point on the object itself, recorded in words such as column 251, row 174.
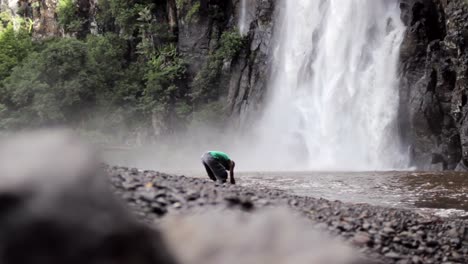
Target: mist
column 181, row 152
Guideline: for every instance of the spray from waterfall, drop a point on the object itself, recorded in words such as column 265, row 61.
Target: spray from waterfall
column 334, row 89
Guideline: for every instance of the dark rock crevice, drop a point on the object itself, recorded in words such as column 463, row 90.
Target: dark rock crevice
column 433, row 82
column 249, row 73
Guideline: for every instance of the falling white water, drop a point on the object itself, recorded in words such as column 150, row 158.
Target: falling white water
column 243, row 18
column 9, row 5
column 334, row 89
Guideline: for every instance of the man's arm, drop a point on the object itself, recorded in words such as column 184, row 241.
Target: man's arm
column 231, row 172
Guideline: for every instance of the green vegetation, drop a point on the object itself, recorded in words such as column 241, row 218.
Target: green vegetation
column 181, row 3
column 130, row 18
column 49, row 87
column 205, row 84
column 14, row 44
column 67, row 16
column 163, row 72
column 193, row 11
column 70, row 81
column 128, row 77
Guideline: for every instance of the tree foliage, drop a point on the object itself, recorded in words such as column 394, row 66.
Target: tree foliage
column 205, row 84
column 14, row 44
column 71, row 81
column 51, row 86
column 67, row 15
column 127, row 75
column 163, row 72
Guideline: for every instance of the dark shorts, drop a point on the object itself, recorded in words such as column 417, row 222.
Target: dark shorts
column 216, row 171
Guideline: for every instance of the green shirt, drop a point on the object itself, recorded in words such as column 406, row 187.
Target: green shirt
column 222, row 157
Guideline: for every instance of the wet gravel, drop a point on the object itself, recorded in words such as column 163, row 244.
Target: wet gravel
column 385, row 234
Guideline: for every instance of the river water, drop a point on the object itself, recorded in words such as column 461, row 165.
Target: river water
column 441, row 193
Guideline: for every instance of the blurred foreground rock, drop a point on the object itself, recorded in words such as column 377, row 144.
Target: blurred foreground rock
column 274, row 236
column 56, row 208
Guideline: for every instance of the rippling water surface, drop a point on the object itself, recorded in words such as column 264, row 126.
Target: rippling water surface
column 442, row 193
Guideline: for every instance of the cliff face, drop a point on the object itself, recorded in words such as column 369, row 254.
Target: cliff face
column 434, row 60
column 247, row 84
column 244, row 77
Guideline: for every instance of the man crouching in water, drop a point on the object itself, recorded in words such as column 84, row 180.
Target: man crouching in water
column 217, row 164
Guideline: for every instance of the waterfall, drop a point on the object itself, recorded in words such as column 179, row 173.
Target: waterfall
column 9, row 5
column 10, row 8
column 242, row 23
column 333, row 97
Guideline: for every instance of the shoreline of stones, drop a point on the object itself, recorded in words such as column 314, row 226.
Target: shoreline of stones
column 388, row 235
